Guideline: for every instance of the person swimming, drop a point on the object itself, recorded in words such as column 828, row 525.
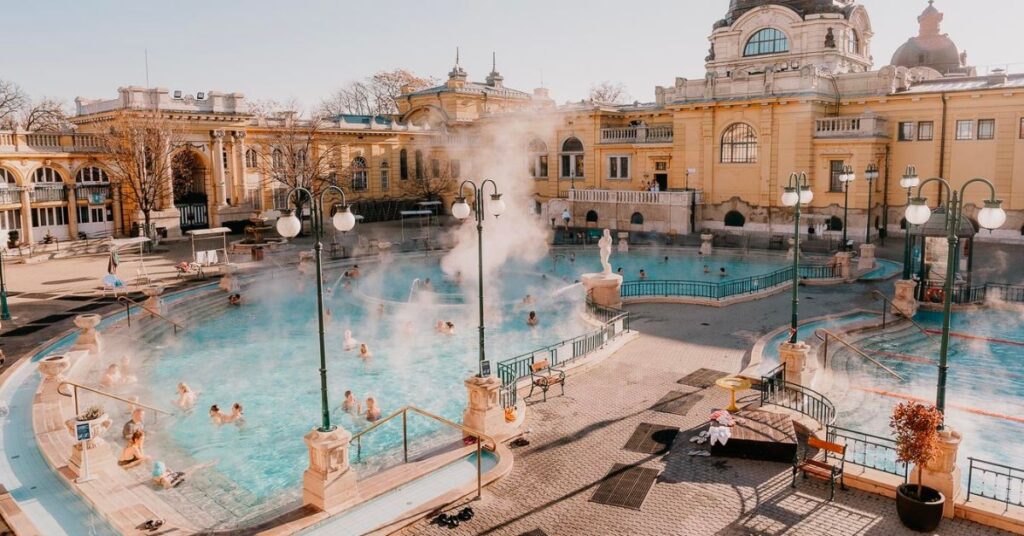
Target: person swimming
column 235, row 416
column 372, row 411
column 186, row 396
column 643, row 274
column 706, row 269
column 350, row 404
column 349, row 343
column 216, row 415
column 528, row 300
column 235, row 299
column 532, row 320
column 721, row 272
column 364, row 351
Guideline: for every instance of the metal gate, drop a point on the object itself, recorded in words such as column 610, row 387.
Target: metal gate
column 193, row 216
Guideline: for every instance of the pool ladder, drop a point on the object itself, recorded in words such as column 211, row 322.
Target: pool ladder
column 132, row 403
column 910, row 318
column 128, row 302
column 828, row 334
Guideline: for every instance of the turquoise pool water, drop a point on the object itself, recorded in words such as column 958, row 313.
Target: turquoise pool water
column 682, row 265
column 884, row 269
column 770, row 355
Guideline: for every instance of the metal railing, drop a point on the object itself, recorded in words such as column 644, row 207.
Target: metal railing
column 403, row 412
column 931, row 291
column 866, row 450
column 854, row 349
column 74, row 396
column 10, row 195
column 42, row 193
column 514, row 369
column 1004, row 292
column 128, row 303
column 886, row 299
column 775, row 390
column 93, row 192
column 725, row 289
column 995, row 481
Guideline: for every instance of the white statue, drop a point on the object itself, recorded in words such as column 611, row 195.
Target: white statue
column 605, row 243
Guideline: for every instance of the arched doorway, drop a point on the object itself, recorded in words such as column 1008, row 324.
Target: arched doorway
column 188, row 174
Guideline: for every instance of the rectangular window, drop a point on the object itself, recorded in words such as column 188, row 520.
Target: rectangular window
column 572, row 166
column 661, row 166
column 385, row 179
column 566, row 166
column 835, row 170
column 618, row 167
column 1022, row 128
column 83, row 215
column 579, row 165
column 10, row 219
column 539, row 166
column 986, row 129
column 965, row 130
column 435, row 168
column 96, row 215
column 925, row 131
column 906, row 131
column 456, row 168
column 359, row 180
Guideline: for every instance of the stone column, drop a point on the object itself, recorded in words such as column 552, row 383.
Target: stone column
column 794, row 357
column 167, row 202
column 942, row 473
column 706, row 243
column 239, row 174
column 904, row 302
column 72, row 211
column 483, row 412
column 217, row 160
column 866, row 262
column 26, row 215
column 89, row 338
column 623, row 241
column 115, row 205
column 329, row 483
column 843, row 261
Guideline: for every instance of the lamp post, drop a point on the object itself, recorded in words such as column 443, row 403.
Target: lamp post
column 5, row 313
column 796, row 193
column 289, row 226
column 991, row 217
column 909, row 181
column 461, row 211
column 870, row 174
column 846, row 177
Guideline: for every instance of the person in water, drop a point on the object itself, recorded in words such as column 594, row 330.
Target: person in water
column 721, row 272
column 706, row 269
column 528, row 300
column 136, row 424
column 186, row 396
column 350, row 404
column 372, row 411
column 572, row 257
column 364, row 351
column 532, row 320
column 133, row 454
column 166, row 478
column 350, row 343
column 427, row 285
column 643, row 274
column 113, row 377
column 235, row 299
column 619, row 271
column 235, row 416
column 354, row 272
column 216, row 415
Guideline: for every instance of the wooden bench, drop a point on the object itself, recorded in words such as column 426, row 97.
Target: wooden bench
column 544, row 376
column 822, row 469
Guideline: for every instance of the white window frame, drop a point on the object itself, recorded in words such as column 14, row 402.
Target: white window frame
column 614, row 167
column 970, row 130
column 991, row 135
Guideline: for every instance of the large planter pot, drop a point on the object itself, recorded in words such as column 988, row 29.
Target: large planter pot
column 921, row 515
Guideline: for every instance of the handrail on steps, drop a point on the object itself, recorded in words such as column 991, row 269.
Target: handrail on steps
column 819, row 331
column 879, row 293
column 78, row 386
column 480, row 438
column 128, row 302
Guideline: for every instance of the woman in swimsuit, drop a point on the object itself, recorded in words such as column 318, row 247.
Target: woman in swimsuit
column 132, row 455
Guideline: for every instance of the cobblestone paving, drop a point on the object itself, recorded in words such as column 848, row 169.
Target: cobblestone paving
column 577, row 438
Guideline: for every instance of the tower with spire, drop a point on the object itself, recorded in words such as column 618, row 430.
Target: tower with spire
column 457, row 76
column 494, row 79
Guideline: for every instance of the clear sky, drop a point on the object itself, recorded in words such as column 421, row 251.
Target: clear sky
column 303, row 49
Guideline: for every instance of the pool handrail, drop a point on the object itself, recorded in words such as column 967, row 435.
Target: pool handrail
column 858, row 351
column 128, row 302
column 404, row 411
column 77, row 386
column 920, row 328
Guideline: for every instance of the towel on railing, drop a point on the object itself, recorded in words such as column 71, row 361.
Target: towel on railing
column 201, row 257
column 211, row 257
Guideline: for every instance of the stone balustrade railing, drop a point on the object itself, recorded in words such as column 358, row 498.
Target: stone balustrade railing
column 633, row 197
column 48, row 142
column 851, row 127
column 640, row 134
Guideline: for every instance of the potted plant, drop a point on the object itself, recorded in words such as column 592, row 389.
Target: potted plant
column 915, row 427
column 13, row 236
column 49, row 238
column 91, row 413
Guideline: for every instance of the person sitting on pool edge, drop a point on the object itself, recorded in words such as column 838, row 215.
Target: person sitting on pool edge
column 532, row 320
column 166, row 478
column 133, row 455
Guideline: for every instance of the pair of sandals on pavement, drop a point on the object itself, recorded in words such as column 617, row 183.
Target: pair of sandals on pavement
column 151, row 524
column 700, row 439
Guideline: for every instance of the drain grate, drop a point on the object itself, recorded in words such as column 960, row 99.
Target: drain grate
column 23, row 330
column 52, row 319
column 677, row 403
column 702, row 378
column 534, row 532
column 88, row 307
column 625, row 486
column 652, row 439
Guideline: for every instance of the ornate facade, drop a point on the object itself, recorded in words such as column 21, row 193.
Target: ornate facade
column 788, row 85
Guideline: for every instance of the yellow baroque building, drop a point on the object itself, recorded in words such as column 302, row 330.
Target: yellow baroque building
column 789, row 86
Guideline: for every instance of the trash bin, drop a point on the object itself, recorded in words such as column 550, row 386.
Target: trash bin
column 257, row 254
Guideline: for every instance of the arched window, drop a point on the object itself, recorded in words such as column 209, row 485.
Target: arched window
column 46, row 174
column 636, row 219
column 300, row 157
column 734, row 218
column 403, row 164
column 572, row 159
column 385, row 175
column 91, row 174
column 835, row 224
column 853, row 43
column 903, row 224
column 7, row 178
column 591, row 216
column 739, row 144
column 277, row 159
column 359, row 173
column 766, row 41
column 251, row 159
column 538, row 159
column 420, row 172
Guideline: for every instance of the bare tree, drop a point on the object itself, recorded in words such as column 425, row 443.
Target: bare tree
column 376, row 95
column 433, row 178
column 138, row 151
column 609, row 92
column 12, row 101
column 45, row 115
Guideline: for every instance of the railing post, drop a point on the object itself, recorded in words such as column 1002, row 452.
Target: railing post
column 405, row 437
column 479, row 467
column 970, row 474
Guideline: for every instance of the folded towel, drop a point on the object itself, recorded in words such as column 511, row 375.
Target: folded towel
column 720, row 434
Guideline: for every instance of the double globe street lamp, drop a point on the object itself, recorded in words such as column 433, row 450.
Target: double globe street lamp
column 870, row 175
column 909, row 181
column 461, row 210
column 846, row 177
column 796, row 193
column 288, row 226
column 992, row 216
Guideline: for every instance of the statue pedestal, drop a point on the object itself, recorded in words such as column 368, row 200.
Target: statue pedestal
column 604, row 289
column 942, row 473
column 866, row 261
column 329, row 483
column 904, row 302
column 623, row 241
column 706, row 247
column 844, row 259
column 89, row 338
column 483, row 411
column 794, row 357
column 98, row 456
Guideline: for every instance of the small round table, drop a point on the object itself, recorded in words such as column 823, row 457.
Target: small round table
column 733, row 384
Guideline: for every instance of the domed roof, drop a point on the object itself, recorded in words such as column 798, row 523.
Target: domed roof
column 802, row 7
column 931, row 48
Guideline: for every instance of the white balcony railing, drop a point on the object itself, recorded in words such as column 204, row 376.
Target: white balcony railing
column 633, row 197
column 641, row 134
column 867, row 126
